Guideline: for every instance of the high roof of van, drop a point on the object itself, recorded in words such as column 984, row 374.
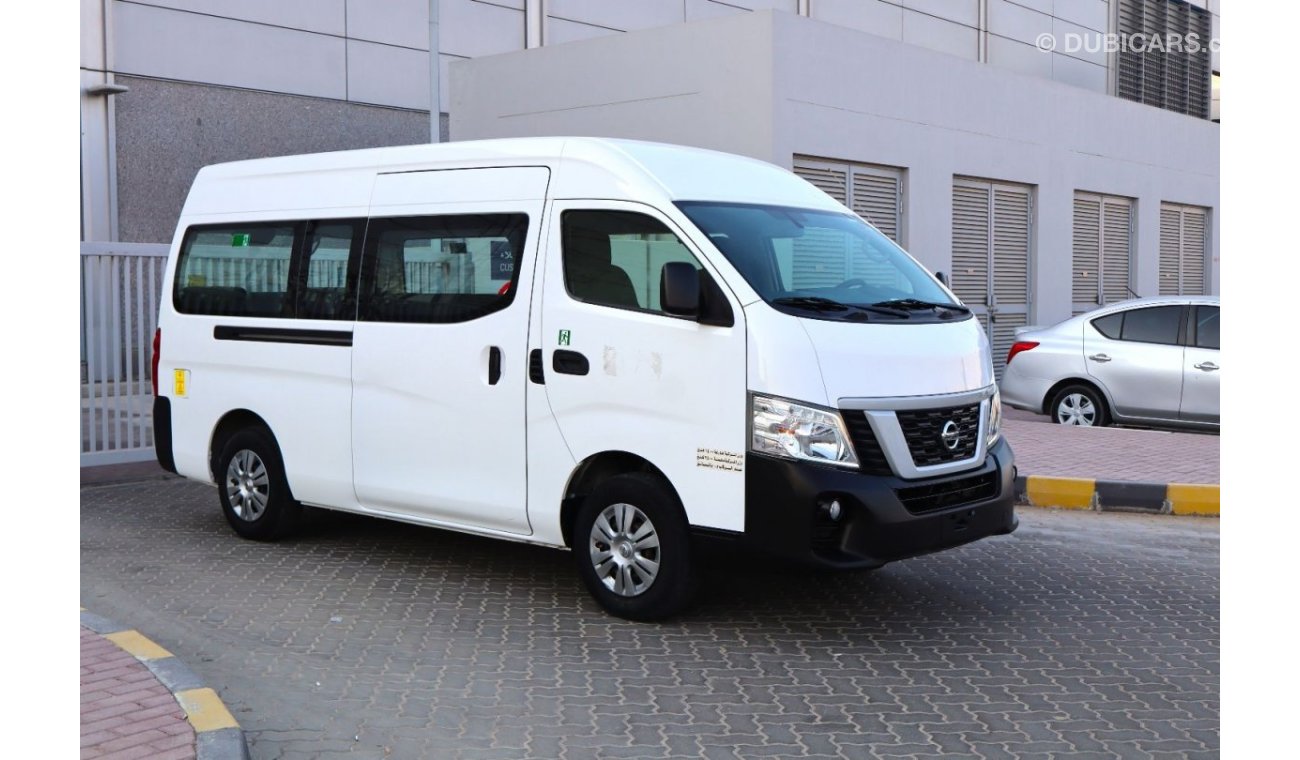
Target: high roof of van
column 581, row 167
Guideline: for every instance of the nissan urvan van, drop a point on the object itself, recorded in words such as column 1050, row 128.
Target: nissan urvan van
column 625, row 349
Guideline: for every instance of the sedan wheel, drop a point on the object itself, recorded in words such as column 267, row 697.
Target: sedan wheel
column 1076, row 409
column 1079, row 406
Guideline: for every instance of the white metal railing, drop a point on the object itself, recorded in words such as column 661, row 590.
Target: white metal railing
column 120, row 288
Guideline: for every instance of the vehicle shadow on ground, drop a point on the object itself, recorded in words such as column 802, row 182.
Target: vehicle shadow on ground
column 736, row 588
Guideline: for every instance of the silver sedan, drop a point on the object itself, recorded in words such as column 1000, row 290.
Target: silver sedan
column 1152, row 361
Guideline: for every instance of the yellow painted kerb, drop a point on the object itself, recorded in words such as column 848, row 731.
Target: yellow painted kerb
column 136, row 644
column 1185, row 499
column 205, row 710
column 1066, row 493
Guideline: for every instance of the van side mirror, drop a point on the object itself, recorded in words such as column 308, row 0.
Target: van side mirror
column 685, row 291
column 941, row 277
column 679, row 289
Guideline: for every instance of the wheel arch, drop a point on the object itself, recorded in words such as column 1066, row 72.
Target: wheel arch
column 230, row 423
column 595, row 469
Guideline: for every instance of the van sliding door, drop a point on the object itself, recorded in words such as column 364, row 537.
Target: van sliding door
column 439, row 352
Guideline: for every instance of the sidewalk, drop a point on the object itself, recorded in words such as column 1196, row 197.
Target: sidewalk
column 140, row 701
column 1113, row 468
column 1111, row 453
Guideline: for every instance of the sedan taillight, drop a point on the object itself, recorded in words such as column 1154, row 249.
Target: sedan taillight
column 1018, row 346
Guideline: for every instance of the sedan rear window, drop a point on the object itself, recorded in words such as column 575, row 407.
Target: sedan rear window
column 1155, row 325
column 1110, row 324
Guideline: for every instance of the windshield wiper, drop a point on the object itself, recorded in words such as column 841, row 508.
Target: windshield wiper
column 915, row 305
column 817, row 303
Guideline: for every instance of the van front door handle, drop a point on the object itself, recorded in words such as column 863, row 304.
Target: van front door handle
column 570, row 363
column 1206, row 366
column 1103, row 358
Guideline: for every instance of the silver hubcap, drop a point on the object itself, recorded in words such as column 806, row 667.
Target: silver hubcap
column 247, row 485
column 1076, row 409
column 624, row 550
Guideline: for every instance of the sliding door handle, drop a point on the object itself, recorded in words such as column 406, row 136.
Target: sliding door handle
column 494, row 365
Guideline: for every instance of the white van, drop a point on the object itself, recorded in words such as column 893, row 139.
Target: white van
column 623, row 348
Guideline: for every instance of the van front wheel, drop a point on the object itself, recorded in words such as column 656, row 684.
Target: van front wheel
column 253, row 488
column 632, row 547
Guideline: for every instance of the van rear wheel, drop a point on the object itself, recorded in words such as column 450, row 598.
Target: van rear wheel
column 253, row 488
column 632, row 547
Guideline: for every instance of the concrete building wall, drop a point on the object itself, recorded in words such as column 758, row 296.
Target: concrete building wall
column 167, row 131
column 366, row 62
column 710, row 85
column 840, row 94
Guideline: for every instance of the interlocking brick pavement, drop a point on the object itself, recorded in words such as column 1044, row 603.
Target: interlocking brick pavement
column 1111, row 453
column 1081, row 635
column 125, row 712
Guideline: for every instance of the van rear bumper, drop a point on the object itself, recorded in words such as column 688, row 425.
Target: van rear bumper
column 162, row 433
column 882, row 518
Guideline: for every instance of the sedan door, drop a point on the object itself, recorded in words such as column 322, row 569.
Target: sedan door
column 1201, row 367
column 1137, row 356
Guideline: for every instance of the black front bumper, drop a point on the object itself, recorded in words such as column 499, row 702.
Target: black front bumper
column 882, row 518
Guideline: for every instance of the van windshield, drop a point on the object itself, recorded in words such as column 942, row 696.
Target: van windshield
column 822, row 264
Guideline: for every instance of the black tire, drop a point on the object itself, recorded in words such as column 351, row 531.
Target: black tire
column 671, row 587
column 255, row 499
column 1079, row 405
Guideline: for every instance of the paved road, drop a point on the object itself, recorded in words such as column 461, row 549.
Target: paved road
column 1094, row 635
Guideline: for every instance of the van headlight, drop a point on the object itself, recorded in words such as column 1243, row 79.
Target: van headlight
column 791, row 430
column 995, row 419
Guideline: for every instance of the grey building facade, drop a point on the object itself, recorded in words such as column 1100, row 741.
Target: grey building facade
column 1000, row 141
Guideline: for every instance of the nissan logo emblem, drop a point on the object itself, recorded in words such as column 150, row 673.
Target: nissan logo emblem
column 950, row 435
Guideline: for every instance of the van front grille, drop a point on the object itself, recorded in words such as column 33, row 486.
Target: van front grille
column 924, row 431
column 950, row 493
column 871, row 458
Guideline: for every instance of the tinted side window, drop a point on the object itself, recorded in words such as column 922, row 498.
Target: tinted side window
column 440, row 268
column 1109, row 325
column 323, row 290
column 1154, row 325
column 236, row 270
column 616, row 258
column 1207, row 327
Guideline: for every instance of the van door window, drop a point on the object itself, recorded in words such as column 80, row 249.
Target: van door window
column 235, row 270
column 324, row 284
column 440, row 268
column 615, row 258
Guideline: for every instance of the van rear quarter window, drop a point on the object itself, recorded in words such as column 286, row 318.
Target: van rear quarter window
column 235, row 270
column 438, row 269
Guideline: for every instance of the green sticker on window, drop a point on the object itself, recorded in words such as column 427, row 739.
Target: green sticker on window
column 564, row 337
column 241, row 240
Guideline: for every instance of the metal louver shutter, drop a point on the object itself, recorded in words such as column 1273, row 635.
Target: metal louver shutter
column 1117, row 239
column 1128, row 81
column 1164, row 73
column 1087, row 247
column 1010, row 245
column 1193, row 251
column 1183, row 244
column 872, row 192
column 970, row 244
column 1170, row 250
column 875, row 198
column 832, row 180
